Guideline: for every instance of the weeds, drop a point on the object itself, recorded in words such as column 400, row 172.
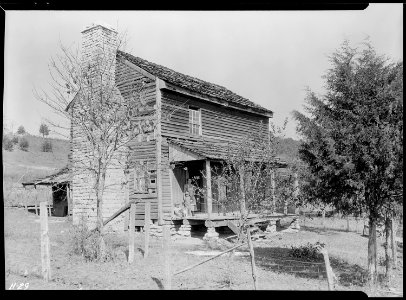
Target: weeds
column 308, row 252
column 86, row 243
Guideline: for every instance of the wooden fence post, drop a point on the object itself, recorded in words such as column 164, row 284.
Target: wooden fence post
column 330, row 276
column 127, row 200
column 348, row 224
column 131, row 232
column 253, row 267
column 324, row 218
column 147, row 226
column 45, row 253
column 167, row 263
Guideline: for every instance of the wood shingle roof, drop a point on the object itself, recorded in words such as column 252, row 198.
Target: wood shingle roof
column 192, row 83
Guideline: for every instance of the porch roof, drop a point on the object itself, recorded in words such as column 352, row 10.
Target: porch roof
column 61, row 176
column 217, row 150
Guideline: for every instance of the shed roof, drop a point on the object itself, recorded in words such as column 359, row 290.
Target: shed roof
column 61, row 176
column 217, row 150
column 192, row 83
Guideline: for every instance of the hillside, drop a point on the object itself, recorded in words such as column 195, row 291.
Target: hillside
column 34, row 162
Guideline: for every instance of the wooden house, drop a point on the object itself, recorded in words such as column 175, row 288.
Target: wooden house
column 195, row 122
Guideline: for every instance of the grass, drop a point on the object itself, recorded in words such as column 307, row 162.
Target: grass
column 22, row 249
column 21, row 166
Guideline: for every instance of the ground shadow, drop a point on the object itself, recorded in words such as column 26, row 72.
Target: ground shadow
column 277, row 259
column 142, row 251
column 158, row 282
column 322, row 231
column 126, row 252
column 348, row 274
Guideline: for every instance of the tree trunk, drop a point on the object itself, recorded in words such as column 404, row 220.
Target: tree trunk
column 394, row 244
column 388, row 259
column 372, row 247
column 100, row 180
column 242, row 193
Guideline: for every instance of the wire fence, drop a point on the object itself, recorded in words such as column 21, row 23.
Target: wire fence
column 348, row 224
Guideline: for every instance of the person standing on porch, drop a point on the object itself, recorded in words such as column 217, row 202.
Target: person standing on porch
column 190, row 200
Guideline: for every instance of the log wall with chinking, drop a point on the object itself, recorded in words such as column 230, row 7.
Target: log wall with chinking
column 145, row 147
column 83, row 197
column 144, row 153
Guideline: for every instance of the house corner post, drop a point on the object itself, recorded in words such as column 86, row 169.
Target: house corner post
column 158, row 139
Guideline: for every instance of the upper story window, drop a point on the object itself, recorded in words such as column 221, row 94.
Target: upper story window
column 195, row 121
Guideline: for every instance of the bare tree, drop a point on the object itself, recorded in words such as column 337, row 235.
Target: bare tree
column 84, row 92
column 243, row 180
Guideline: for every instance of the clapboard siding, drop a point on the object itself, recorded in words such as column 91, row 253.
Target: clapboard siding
column 217, row 122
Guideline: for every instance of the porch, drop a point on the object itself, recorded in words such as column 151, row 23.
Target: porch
column 196, row 163
column 219, row 220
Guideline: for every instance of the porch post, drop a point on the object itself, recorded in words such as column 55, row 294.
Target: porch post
column 208, row 188
column 243, row 207
column 273, row 191
column 295, row 187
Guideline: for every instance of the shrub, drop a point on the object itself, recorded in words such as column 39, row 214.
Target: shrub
column 7, row 143
column 85, row 242
column 46, row 146
column 23, row 144
column 308, row 252
column 15, row 139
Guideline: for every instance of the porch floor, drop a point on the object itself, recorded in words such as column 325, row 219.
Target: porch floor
column 221, row 219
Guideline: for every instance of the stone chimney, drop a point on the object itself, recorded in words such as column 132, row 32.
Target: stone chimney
column 99, row 49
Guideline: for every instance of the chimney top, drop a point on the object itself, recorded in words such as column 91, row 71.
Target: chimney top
column 99, row 23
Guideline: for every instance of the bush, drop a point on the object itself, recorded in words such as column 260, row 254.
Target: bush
column 8, row 143
column 15, row 139
column 308, row 252
column 85, row 243
column 46, row 146
column 23, row 144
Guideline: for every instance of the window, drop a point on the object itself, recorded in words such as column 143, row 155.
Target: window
column 195, row 121
column 140, row 181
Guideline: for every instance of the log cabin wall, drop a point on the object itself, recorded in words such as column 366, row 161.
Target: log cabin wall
column 167, row 203
column 127, row 78
column 145, row 159
column 144, row 155
column 218, row 122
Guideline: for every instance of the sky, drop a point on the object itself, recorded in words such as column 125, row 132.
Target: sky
column 269, row 57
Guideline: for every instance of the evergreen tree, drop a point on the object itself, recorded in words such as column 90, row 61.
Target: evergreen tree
column 21, row 130
column 44, row 130
column 353, row 138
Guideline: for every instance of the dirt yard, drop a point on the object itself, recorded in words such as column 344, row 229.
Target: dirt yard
column 23, row 261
